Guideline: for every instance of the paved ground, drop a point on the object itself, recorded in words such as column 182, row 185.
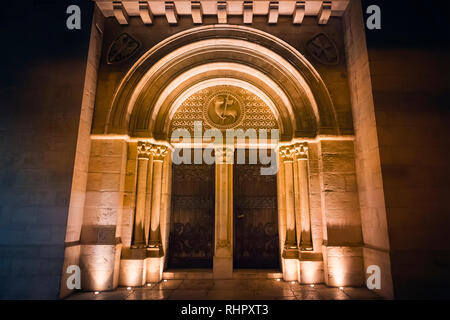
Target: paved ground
column 229, row 290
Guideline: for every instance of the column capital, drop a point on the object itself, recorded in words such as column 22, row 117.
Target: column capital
column 143, row 150
column 287, row 153
column 159, row 152
column 301, row 151
column 224, row 154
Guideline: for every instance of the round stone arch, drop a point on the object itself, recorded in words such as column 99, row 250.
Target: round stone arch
column 298, row 93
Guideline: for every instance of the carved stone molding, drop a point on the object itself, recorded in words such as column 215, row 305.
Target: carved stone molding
column 322, row 48
column 323, row 10
column 122, row 48
column 301, row 151
column 143, row 150
column 159, row 152
column 287, row 153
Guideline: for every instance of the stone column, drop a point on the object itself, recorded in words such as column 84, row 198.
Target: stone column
column 141, row 191
column 148, row 199
column 155, row 249
column 132, row 265
column 301, row 153
column 290, row 250
column 223, row 250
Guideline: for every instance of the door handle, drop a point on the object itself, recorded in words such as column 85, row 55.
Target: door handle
column 240, row 216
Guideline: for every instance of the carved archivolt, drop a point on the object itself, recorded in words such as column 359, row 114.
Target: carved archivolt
column 139, row 107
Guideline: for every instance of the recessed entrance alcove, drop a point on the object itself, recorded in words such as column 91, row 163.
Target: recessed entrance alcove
column 148, row 217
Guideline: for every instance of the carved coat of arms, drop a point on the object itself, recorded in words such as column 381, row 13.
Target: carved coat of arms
column 122, row 48
column 323, row 49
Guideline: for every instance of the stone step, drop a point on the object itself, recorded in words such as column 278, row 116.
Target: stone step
column 208, row 274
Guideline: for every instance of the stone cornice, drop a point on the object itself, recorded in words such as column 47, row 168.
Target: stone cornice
column 172, row 10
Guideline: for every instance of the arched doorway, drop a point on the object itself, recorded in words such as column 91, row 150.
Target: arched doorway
column 148, row 104
column 224, row 108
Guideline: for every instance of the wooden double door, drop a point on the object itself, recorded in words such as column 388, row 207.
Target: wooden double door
column 191, row 241
column 255, row 217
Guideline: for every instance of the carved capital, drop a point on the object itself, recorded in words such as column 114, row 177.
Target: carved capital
column 159, row 152
column 301, row 151
column 224, row 154
column 143, row 150
column 287, row 153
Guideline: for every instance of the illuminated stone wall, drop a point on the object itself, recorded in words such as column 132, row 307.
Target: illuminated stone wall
column 42, row 93
column 410, row 90
column 399, row 94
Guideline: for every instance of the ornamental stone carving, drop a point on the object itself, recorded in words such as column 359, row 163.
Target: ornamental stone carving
column 224, row 107
column 122, row 48
column 223, row 110
column 159, row 152
column 323, row 49
column 287, row 153
column 143, row 150
column 301, row 151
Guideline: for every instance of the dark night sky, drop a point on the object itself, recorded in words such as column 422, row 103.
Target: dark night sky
column 423, row 24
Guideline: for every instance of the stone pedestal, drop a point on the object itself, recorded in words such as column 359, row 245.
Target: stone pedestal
column 222, row 267
column 343, row 266
column 311, row 267
column 290, row 264
column 132, row 268
column 100, row 267
column 154, row 269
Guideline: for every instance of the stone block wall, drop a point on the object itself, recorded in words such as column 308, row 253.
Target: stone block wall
column 369, row 178
column 410, row 90
column 83, row 149
column 100, row 234
column 42, row 86
column 342, row 246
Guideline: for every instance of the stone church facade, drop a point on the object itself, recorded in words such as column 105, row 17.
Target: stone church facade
column 153, row 68
column 300, row 68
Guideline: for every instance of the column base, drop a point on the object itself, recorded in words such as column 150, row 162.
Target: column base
column 343, row 266
column 99, row 265
column 222, row 267
column 311, row 267
column 306, row 247
column 291, row 270
column 132, row 267
column 154, row 269
column 155, row 252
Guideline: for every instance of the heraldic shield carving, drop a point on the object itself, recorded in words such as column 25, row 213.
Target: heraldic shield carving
column 122, row 48
column 223, row 110
column 323, row 49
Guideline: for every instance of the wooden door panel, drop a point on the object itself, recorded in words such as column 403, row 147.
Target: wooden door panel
column 255, row 218
column 191, row 241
